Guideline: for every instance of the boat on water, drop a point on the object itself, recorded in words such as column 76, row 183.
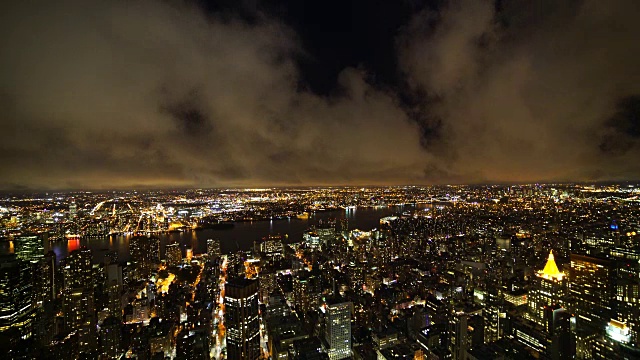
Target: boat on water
column 303, row 216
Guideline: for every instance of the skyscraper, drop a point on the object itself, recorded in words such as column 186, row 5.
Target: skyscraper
column 327, row 233
column 466, row 326
column 28, row 247
column 213, row 248
column 549, row 289
column 301, row 293
column 145, row 253
column 344, row 226
column 627, row 291
column 241, row 319
column 493, row 314
column 78, row 297
column 46, row 279
column 114, row 289
column 338, row 328
column 16, row 296
column 267, row 280
column 173, row 254
column 272, row 246
column 110, row 337
column 561, row 327
column 591, row 288
column 77, row 269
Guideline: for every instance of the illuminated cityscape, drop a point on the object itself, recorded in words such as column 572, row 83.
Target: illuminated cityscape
column 320, row 180
column 543, row 271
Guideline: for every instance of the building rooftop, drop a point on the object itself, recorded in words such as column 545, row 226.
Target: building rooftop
column 551, row 270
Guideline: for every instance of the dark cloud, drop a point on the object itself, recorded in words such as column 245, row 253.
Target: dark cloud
column 622, row 130
column 189, row 116
column 109, row 94
column 523, row 90
column 157, row 93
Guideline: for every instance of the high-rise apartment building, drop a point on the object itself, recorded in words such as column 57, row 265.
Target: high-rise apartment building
column 77, row 269
column 78, row 297
column 110, row 335
column 114, row 290
column 173, row 254
column 213, row 248
column 241, row 319
column 301, row 293
column 145, row 254
column 267, row 280
column 46, row 279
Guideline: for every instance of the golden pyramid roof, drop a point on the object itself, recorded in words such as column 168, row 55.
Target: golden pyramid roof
column 551, row 270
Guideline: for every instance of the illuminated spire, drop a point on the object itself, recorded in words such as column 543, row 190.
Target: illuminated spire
column 551, row 270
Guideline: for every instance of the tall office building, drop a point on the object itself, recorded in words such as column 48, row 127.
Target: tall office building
column 591, row 288
column 561, row 327
column 16, row 296
column 173, row 254
column 241, row 319
column 627, row 291
column 337, row 334
column 549, row 288
column 28, row 247
column 145, row 254
column 213, row 248
column 45, row 292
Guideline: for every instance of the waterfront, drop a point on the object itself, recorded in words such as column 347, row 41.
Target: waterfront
column 240, row 237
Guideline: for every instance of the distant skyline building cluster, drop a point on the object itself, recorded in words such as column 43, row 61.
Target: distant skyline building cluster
column 549, row 272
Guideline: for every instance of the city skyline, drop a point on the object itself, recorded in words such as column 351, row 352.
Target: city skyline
column 239, row 93
column 320, row 180
column 541, row 271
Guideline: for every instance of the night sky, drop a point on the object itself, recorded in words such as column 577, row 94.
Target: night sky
column 119, row 94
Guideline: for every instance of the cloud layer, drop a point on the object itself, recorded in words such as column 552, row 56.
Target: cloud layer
column 529, row 90
column 149, row 93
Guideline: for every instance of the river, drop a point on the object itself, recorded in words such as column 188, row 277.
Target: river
column 240, row 237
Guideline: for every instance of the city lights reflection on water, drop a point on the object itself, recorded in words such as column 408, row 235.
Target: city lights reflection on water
column 241, row 237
